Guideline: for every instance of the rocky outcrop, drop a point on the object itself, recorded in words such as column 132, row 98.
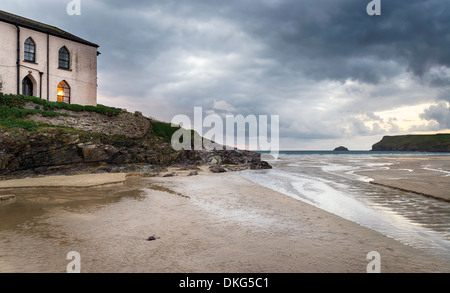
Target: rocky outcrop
column 42, row 137
column 233, row 157
column 53, row 150
column 414, row 143
column 341, row 149
column 97, row 144
column 131, row 125
column 217, row 169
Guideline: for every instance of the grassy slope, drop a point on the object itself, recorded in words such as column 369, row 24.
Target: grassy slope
column 416, row 140
column 13, row 114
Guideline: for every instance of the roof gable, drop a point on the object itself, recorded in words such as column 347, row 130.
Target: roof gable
column 41, row 27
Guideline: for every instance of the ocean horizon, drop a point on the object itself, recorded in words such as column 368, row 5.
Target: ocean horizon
column 354, row 152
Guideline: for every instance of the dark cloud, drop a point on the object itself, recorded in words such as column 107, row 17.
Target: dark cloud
column 324, row 66
column 337, row 40
column 325, row 39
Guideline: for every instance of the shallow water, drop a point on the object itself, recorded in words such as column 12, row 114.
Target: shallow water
column 42, row 225
column 332, row 183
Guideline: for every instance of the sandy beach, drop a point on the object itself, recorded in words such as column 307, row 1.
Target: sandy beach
column 210, row 223
column 425, row 175
column 85, row 180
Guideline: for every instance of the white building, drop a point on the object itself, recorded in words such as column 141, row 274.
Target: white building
column 44, row 61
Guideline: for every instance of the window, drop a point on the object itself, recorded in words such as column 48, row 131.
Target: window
column 30, row 50
column 27, row 86
column 63, row 91
column 64, row 58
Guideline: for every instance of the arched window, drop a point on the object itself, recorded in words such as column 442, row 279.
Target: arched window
column 27, row 86
column 30, row 50
column 64, row 58
column 63, row 91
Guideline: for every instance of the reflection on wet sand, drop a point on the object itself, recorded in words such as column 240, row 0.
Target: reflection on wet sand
column 208, row 223
column 34, row 202
column 29, row 238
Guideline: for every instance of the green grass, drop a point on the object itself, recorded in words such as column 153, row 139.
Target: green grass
column 416, row 139
column 13, row 114
column 15, row 117
column 19, row 101
column 436, row 141
column 164, row 130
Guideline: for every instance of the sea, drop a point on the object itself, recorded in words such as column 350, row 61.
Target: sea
column 329, row 180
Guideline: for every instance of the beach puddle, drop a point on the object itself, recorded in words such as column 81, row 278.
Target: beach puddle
column 28, row 204
column 41, row 225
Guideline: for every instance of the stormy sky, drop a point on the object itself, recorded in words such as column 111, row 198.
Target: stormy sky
column 333, row 74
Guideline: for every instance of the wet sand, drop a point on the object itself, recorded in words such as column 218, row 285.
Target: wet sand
column 84, row 180
column 210, row 223
column 425, row 175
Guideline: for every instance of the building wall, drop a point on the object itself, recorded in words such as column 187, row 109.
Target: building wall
column 8, row 57
column 33, row 69
column 81, row 77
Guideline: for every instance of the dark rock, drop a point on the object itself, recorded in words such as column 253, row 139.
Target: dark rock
column 5, row 159
column 193, row 173
column 63, row 156
column 93, row 153
column 121, row 157
column 250, row 160
column 170, row 175
column 341, row 149
column 260, row 166
column 152, row 238
column 217, row 169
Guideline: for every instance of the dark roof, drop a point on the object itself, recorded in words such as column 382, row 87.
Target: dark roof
column 41, row 27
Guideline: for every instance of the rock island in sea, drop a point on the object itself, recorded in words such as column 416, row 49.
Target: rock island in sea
column 341, row 149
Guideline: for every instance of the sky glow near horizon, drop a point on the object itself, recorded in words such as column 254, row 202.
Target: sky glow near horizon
column 333, row 74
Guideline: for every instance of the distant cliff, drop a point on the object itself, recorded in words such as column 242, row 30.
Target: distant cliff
column 414, row 143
